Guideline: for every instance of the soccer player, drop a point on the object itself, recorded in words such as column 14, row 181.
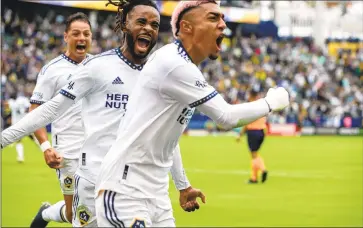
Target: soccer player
column 18, row 105
column 105, row 83
column 67, row 129
column 255, row 137
column 133, row 178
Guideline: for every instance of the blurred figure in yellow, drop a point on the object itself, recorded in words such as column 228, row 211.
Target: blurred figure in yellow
column 255, row 137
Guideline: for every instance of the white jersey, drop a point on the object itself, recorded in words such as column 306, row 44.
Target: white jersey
column 163, row 102
column 104, row 83
column 19, row 107
column 67, row 129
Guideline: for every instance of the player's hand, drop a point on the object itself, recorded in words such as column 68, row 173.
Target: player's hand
column 53, row 159
column 277, row 98
column 188, row 199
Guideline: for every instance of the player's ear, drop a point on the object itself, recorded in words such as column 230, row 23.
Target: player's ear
column 186, row 26
column 65, row 37
column 124, row 26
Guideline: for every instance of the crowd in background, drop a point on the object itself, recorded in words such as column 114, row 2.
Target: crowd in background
column 322, row 88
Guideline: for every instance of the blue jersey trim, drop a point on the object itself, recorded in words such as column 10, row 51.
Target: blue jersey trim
column 69, row 59
column 36, row 102
column 123, row 58
column 182, row 52
column 67, row 94
column 203, row 100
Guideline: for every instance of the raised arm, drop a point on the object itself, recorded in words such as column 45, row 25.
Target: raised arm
column 77, row 88
column 187, row 85
column 36, row 119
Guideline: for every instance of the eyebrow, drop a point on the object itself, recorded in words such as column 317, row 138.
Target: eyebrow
column 78, row 30
column 145, row 20
column 217, row 14
column 141, row 19
column 155, row 22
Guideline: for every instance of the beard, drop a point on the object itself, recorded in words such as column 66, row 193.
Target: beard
column 130, row 41
column 213, row 57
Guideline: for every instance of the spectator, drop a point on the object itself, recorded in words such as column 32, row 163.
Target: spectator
column 322, row 88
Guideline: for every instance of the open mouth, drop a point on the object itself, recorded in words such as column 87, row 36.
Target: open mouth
column 219, row 41
column 143, row 42
column 81, row 47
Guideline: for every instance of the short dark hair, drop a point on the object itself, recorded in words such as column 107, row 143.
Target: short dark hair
column 125, row 6
column 79, row 16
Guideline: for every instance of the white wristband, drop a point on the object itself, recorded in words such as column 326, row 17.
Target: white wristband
column 45, row 146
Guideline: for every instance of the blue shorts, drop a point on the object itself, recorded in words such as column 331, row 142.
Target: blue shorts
column 255, row 139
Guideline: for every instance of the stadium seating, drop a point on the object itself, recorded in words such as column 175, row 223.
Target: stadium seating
column 323, row 88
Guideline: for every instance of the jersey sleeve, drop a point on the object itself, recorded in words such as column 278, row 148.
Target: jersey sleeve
column 44, row 88
column 79, row 85
column 187, row 85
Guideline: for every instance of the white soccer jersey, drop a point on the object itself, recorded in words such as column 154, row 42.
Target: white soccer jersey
column 104, row 83
column 19, row 107
column 67, row 129
column 163, row 101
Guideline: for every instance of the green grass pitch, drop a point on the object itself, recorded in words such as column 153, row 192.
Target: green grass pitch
column 313, row 181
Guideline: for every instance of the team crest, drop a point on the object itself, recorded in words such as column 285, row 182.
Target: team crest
column 84, row 215
column 138, row 223
column 68, row 182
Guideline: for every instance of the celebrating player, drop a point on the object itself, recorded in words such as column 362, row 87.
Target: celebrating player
column 67, row 129
column 105, row 83
column 133, row 179
column 255, row 137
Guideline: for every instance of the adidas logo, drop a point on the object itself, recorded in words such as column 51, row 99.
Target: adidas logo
column 117, row 81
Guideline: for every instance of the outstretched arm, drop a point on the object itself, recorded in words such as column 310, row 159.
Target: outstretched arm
column 187, row 85
column 72, row 92
column 36, row 119
column 231, row 116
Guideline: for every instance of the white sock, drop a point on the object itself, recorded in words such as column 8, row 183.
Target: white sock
column 56, row 213
column 20, row 151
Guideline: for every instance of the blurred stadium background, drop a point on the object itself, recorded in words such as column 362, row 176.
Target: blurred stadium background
column 314, row 148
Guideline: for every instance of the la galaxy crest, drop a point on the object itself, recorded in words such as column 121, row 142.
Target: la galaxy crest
column 68, row 182
column 138, row 223
column 84, row 215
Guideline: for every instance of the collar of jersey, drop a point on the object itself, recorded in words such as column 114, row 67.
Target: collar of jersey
column 69, row 59
column 182, row 52
column 123, row 58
